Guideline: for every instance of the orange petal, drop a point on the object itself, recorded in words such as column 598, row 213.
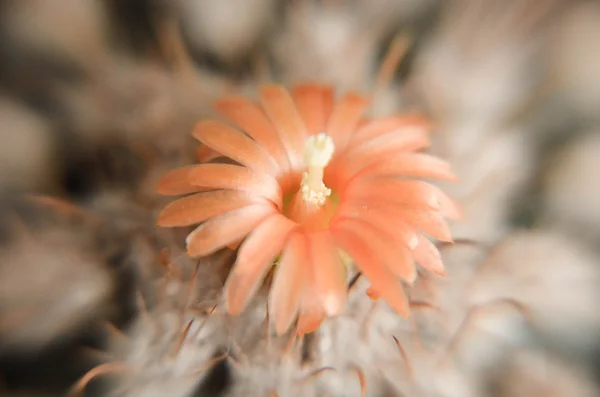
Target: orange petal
column 281, row 110
column 418, row 165
column 175, row 182
column 383, row 149
column 373, row 294
column 380, row 215
column 57, row 204
column 374, row 128
column 427, row 255
column 328, row 103
column 255, row 258
column 395, row 257
column 393, row 142
column 312, row 313
column 204, row 154
column 362, row 123
column 235, row 245
column 235, row 145
column 344, row 119
column 448, row 207
column 314, row 103
column 199, row 207
column 329, row 273
column 428, row 221
column 225, row 229
column 403, row 191
column 252, row 119
column 228, row 176
column 369, row 263
column 284, row 298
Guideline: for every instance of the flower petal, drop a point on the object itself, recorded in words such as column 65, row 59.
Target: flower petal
column 427, row 255
column 204, row 154
column 199, row 207
column 255, row 257
column 236, row 145
column 330, row 279
column 384, row 149
column 381, row 216
column 314, row 103
column 372, row 294
column 226, row 229
column 289, row 283
column 428, row 221
column 281, row 110
column 403, row 191
column 408, row 140
column 228, row 176
column 312, row 313
column 369, row 263
column 418, row 165
column 374, row 128
column 395, row 257
column 448, row 207
column 249, row 116
column 175, row 182
column 346, row 115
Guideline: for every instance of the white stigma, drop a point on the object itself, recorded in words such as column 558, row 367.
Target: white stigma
column 318, row 152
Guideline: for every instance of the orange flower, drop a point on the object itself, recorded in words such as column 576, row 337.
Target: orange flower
column 311, row 185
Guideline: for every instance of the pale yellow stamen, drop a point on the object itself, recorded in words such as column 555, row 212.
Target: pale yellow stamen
column 318, row 152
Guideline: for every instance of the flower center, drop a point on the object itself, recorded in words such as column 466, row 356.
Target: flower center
column 318, row 152
column 312, row 203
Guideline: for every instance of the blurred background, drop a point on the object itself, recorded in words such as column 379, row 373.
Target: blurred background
column 98, row 99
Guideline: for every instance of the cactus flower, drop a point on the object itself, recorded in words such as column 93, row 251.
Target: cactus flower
column 312, row 186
